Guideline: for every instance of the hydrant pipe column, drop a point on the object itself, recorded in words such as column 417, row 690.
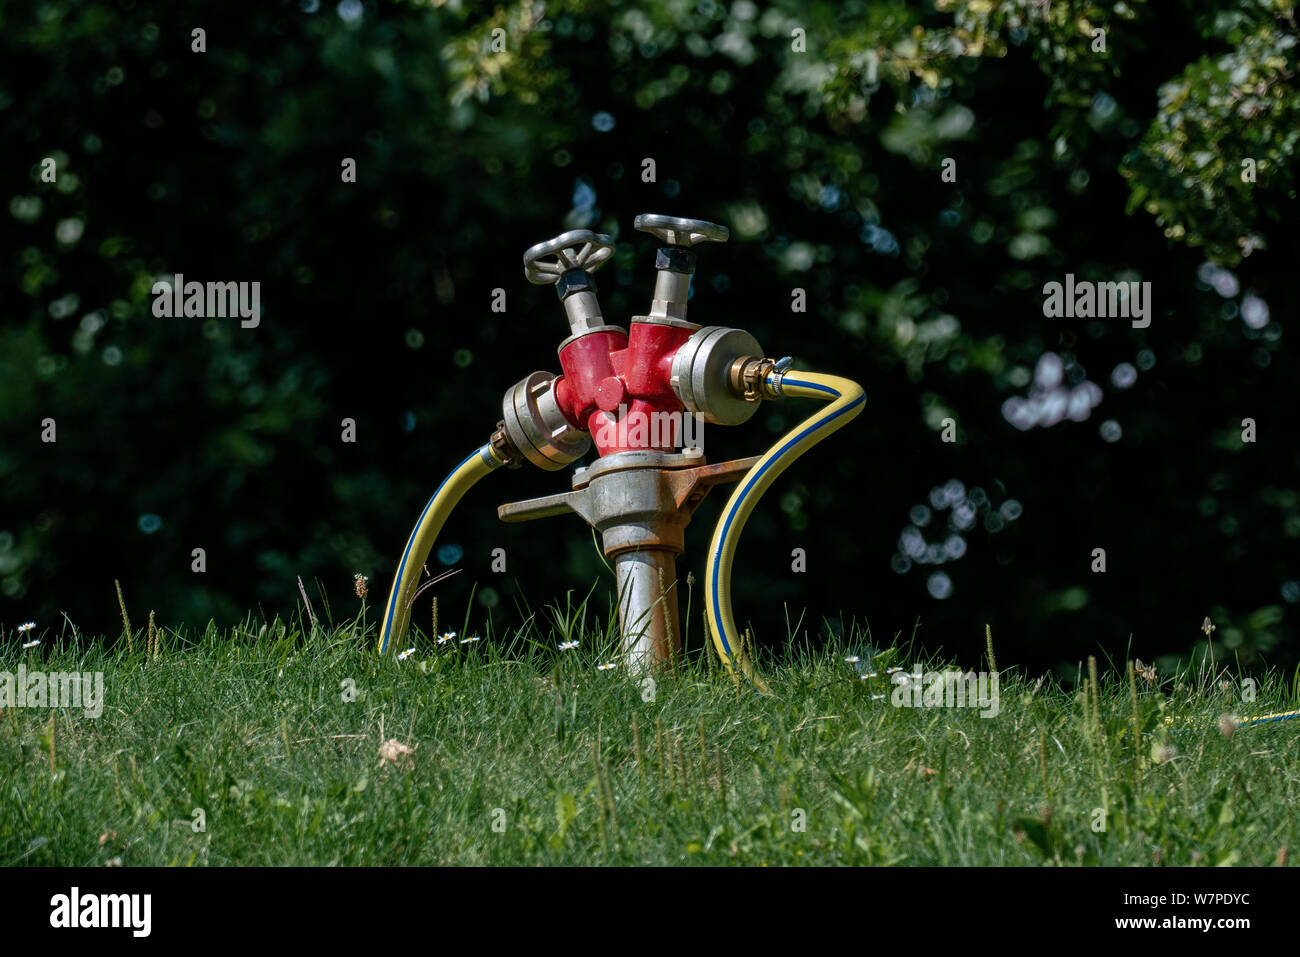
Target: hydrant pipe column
column 647, row 606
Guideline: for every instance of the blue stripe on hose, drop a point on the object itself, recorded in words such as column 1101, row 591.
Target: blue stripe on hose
column 401, row 569
column 755, row 476
column 1250, row 723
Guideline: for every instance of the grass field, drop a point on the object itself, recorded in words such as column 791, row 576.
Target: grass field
column 262, row 745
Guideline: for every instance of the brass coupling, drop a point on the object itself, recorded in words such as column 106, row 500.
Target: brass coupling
column 504, row 449
column 747, row 377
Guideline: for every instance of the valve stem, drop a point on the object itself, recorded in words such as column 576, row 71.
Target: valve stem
column 675, row 262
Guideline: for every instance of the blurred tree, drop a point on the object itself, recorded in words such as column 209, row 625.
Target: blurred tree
column 821, row 133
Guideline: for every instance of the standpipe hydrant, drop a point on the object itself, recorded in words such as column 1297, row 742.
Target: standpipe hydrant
column 638, row 395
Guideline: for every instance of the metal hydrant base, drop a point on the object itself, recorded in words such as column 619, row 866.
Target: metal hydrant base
column 641, row 503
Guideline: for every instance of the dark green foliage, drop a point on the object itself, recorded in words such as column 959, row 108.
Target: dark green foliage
column 177, row 434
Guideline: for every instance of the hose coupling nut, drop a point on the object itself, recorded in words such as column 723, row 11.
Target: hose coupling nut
column 504, row 449
column 747, row 375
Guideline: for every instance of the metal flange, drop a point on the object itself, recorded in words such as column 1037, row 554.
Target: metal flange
column 701, row 374
column 537, row 427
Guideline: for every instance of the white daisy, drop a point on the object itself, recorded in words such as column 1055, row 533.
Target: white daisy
column 609, row 667
column 470, row 640
column 32, row 644
column 568, row 645
column 406, row 654
column 853, row 659
column 26, row 626
column 449, row 636
column 868, row 674
column 893, row 671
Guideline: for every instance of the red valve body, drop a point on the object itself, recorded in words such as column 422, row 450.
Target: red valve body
column 615, row 385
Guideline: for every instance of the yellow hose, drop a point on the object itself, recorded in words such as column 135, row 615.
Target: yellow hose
column 846, row 400
column 397, row 614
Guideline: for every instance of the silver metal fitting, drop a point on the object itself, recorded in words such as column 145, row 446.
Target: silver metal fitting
column 568, row 261
column 676, row 261
column 576, row 249
column 779, row 370
column 537, row 427
column 641, row 502
column 676, row 231
column 701, row 374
